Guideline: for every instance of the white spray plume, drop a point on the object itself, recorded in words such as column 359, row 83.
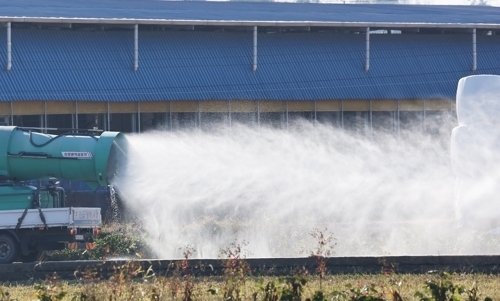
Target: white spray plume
column 378, row 196
column 475, row 152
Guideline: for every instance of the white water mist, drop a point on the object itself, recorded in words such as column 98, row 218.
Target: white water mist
column 271, row 188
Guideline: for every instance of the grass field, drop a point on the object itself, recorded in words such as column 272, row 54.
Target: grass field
column 132, row 282
column 392, row 287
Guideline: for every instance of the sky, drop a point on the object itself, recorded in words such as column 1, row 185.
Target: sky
column 454, row 2
column 426, row 2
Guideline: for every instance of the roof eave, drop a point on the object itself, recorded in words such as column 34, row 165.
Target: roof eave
column 247, row 23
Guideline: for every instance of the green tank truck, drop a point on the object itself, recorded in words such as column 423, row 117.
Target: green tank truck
column 36, row 219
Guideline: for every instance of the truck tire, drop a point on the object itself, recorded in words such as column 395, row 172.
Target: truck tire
column 9, row 249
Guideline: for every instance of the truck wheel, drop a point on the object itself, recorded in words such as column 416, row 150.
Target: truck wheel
column 9, row 249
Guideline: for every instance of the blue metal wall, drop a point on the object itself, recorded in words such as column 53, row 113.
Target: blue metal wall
column 197, row 65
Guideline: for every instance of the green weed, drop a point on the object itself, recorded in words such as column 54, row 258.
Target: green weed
column 181, row 283
column 50, row 290
column 236, row 269
column 443, row 289
column 293, row 287
column 325, row 243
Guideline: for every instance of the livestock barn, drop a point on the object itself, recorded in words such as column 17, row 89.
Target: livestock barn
column 135, row 65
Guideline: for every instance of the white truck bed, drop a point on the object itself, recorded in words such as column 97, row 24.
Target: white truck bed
column 54, row 217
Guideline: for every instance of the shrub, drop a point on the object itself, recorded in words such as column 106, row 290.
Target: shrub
column 113, row 241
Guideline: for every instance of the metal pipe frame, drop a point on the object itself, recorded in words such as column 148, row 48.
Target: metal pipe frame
column 474, row 52
column 9, row 47
column 254, row 67
column 136, row 47
column 367, row 63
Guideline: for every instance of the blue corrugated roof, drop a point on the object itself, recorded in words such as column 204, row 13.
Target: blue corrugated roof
column 197, row 65
column 248, row 11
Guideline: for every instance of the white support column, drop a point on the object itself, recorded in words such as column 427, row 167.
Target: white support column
column 45, row 125
column 170, row 115
column 133, row 123
column 424, row 121
column 474, row 53
column 9, row 47
column 315, row 115
column 450, row 115
column 282, row 119
column 11, row 113
column 367, row 64
column 399, row 122
column 76, row 115
column 109, row 119
column 229, row 115
column 164, row 124
column 342, row 113
column 254, row 68
column 104, row 122
column 198, row 118
column 393, row 114
column 136, row 47
column 258, row 113
column 139, row 117
column 287, row 115
column 366, row 132
column 371, row 119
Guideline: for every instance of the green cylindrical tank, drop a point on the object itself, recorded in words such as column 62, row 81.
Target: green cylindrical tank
column 28, row 155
